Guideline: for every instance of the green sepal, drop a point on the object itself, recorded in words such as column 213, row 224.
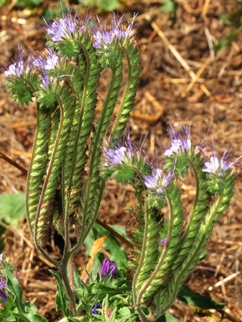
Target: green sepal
column 216, row 183
column 21, row 92
column 68, row 48
column 180, row 162
column 108, row 57
column 155, row 200
column 46, row 98
column 123, row 174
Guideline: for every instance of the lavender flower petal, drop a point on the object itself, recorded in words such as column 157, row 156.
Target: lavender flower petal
column 108, row 267
column 17, row 68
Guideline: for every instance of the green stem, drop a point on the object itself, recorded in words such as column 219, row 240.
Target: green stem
column 90, row 200
column 63, row 268
column 37, row 166
column 136, row 299
column 162, row 258
column 203, row 232
column 142, row 316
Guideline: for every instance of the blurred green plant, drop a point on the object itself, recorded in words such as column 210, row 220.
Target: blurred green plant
column 102, row 5
column 12, row 207
column 233, row 18
column 23, row 3
column 13, row 307
column 168, row 6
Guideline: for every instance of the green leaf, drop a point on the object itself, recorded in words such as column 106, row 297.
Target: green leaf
column 61, row 300
column 196, row 299
column 12, row 207
column 14, row 287
column 166, row 318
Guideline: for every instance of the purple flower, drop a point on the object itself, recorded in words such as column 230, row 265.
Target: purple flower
column 118, row 31
column 179, row 142
column 115, row 157
column 119, row 153
column 45, row 64
column 103, row 38
column 158, row 180
column 216, row 166
column 95, row 307
column 17, row 68
column 108, row 267
column 62, row 28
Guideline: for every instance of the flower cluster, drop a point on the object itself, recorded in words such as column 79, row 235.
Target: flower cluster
column 179, row 142
column 70, row 28
column 216, row 166
column 158, row 180
column 119, row 153
column 176, row 162
column 63, row 28
column 16, row 68
column 103, row 38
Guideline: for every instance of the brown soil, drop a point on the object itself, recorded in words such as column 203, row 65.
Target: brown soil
column 184, row 80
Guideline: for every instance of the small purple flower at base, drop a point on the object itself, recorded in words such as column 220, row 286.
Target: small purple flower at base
column 95, row 307
column 3, row 284
column 108, row 267
column 3, row 296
